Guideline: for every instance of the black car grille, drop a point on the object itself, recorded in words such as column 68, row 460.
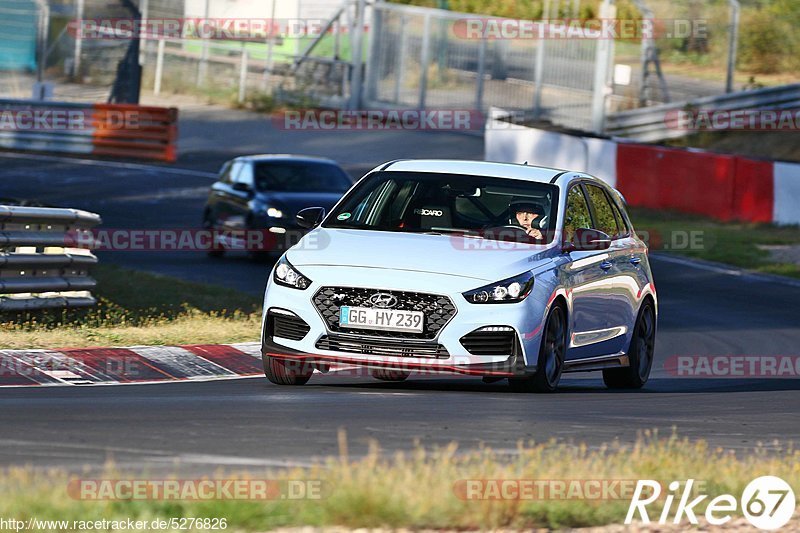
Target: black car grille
column 438, row 309
column 490, row 342
column 388, row 348
column 288, row 327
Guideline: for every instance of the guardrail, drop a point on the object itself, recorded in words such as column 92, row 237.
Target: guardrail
column 106, row 130
column 658, row 123
column 38, row 268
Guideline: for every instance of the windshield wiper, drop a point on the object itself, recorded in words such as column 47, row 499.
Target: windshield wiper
column 464, row 233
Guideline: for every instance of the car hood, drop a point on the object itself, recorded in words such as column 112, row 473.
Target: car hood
column 440, row 254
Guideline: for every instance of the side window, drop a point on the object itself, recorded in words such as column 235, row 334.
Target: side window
column 624, row 229
column 577, row 214
column 603, row 213
column 245, row 175
column 225, row 173
column 236, row 168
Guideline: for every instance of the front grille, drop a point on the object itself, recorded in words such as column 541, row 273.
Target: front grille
column 489, row 342
column 388, row 348
column 285, row 326
column 438, row 309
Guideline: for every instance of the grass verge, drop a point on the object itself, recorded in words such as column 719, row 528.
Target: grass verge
column 417, row 489
column 740, row 244
column 137, row 308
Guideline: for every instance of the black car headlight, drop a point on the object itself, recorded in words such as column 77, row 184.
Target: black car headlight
column 511, row 290
column 288, row 276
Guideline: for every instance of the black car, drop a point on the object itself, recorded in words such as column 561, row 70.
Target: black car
column 264, row 193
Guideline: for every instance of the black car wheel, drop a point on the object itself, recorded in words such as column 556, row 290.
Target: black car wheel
column 640, row 353
column 286, row 372
column 551, row 355
column 216, row 249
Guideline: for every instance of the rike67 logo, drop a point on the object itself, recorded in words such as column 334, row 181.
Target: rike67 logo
column 767, row 502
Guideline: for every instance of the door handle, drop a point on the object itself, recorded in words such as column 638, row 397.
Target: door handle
column 606, row 265
column 636, row 260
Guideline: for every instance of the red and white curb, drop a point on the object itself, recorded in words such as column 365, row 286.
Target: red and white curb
column 136, row 364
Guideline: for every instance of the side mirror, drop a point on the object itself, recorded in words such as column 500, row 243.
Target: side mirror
column 588, row 240
column 310, row 217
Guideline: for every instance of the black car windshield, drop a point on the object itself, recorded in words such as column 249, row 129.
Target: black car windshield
column 300, row 176
column 450, row 203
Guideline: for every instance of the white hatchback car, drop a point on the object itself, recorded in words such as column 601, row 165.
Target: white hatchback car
column 488, row 269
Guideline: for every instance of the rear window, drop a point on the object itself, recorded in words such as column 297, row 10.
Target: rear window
column 297, row 176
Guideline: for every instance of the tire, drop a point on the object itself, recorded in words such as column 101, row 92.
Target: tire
column 287, row 372
column 550, row 363
column 640, row 353
column 216, row 251
column 385, row 374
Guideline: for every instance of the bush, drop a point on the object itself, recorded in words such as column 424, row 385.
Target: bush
column 763, row 42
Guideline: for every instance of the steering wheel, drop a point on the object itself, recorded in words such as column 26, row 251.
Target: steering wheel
column 506, row 226
column 507, row 232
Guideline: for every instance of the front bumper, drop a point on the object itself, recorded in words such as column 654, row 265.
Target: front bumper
column 446, row 352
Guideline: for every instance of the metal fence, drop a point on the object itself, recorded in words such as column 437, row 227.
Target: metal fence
column 38, row 266
column 418, row 58
column 691, row 54
column 412, row 57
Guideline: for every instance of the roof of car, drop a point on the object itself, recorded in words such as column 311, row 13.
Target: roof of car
column 285, row 157
column 475, row 168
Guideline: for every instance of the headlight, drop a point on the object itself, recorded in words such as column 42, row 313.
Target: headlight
column 274, row 212
column 508, row 291
column 288, row 276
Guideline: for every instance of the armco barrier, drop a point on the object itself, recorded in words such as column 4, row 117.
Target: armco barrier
column 658, row 123
column 106, row 130
column 721, row 186
column 37, row 267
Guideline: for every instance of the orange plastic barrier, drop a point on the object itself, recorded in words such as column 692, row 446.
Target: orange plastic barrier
column 125, row 130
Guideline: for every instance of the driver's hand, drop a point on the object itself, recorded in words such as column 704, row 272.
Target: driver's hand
column 533, row 232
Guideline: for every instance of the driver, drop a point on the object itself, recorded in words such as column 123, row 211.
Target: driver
column 524, row 213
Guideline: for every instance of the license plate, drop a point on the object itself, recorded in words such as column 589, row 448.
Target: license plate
column 382, row 319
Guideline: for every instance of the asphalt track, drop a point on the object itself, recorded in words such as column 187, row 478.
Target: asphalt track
column 249, row 423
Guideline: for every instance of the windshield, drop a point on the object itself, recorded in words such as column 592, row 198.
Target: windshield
column 493, row 208
column 300, row 176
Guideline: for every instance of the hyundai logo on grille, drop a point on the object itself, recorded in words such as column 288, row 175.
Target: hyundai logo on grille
column 382, row 300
